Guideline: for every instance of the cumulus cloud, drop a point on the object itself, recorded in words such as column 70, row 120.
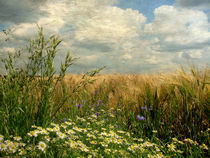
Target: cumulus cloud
column 102, row 34
column 178, row 29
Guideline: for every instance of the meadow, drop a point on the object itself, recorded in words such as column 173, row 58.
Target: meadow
column 45, row 113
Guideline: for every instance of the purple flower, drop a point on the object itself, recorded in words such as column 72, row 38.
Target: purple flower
column 95, row 92
column 141, row 118
column 78, row 105
column 92, row 105
column 117, row 126
column 99, row 101
column 118, row 104
column 144, row 108
column 150, row 108
column 97, row 114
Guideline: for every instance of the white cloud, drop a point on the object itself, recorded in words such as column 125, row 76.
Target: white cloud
column 7, row 49
column 180, row 34
column 103, row 34
column 126, row 56
column 179, row 26
column 152, row 60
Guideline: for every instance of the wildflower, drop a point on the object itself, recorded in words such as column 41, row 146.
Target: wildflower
column 204, row 146
column 78, row 105
column 148, row 144
column 44, row 132
column 175, row 139
column 42, row 146
column 111, row 115
column 33, row 126
column 47, row 138
column 39, row 128
column 131, row 148
column 1, row 138
column 61, row 135
column 144, row 108
column 141, row 118
column 50, row 129
column 179, row 151
column 157, row 149
column 128, row 134
column 154, row 131
column 18, row 138
column 171, row 147
column 22, row 144
column 70, row 132
column 53, row 124
column 93, row 142
column 195, row 142
column 140, row 140
column 189, row 140
column 99, row 101
column 97, row 114
column 56, row 128
column 22, row 151
column 12, row 148
column 181, row 142
column 68, row 123
column 64, row 126
column 33, row 133
column 3, row 147
column 107, row 151
column 104, row 144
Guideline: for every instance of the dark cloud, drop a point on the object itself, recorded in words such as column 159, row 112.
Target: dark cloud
column 94, row 46
column 18, row 11
column 174, row 47
column 208, row 14
column 193, row 3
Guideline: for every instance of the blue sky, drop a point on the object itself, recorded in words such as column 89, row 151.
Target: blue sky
column 126, row 36
column 145, row 7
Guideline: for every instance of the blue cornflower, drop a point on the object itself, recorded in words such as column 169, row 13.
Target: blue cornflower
column 144, row 108
column 78, row 105
column 141, row 118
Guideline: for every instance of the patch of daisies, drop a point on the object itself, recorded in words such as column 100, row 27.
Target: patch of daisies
column 91, row 136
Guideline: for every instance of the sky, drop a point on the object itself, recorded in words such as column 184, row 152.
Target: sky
column 126, row 36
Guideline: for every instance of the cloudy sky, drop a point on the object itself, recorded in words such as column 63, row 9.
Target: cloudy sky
column 126, row 36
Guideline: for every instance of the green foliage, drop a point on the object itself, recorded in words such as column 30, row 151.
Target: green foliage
column 33, row 93
column 27, row 92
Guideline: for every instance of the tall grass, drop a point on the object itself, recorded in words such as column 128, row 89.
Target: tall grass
column 155, row 107
column 27, row 92
column 175, row 104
